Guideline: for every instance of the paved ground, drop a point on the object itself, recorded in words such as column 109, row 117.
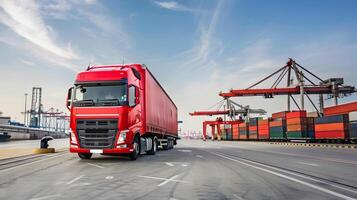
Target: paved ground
column 24, row 147
column 193, row 170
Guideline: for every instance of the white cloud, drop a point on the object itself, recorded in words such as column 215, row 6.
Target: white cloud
column 208, row 47
column 23, row 17
column 172, row 5
column 28, row 62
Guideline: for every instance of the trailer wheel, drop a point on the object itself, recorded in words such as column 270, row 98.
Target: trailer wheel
column 154, row 147
column 85, row 155
column 136, row 147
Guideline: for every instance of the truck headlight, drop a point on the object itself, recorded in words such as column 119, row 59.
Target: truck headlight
column 122, row 136
column 73, row 137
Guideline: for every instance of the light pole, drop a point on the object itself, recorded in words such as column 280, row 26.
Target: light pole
column 25, row 113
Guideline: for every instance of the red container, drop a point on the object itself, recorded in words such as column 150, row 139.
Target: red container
column 331, row 134
column 340, row 109
column 295, row 114
column 279, row 114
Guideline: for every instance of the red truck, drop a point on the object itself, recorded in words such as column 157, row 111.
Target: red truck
column 120, row 110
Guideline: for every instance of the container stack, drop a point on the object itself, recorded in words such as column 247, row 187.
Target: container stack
column 243, row 131
column 332, row 127
column 311, row 127
column 228, row 130
column 253, row 128
column 235, row 132
column 277, row 129
column 296, row 125
column 263, row 129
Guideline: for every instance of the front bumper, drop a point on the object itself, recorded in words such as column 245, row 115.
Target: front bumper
column 76, row 149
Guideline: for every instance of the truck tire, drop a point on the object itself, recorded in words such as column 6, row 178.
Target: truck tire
column 136, row 146
column 85, row 155
column 154, row 147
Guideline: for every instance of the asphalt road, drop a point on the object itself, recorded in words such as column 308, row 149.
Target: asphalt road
column 193, row 170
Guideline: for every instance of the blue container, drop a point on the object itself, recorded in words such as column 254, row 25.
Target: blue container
column 353, row 130
column 332, row 119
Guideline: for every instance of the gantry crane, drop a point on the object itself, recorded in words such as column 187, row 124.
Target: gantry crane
column 304, row 86
column 230, row 109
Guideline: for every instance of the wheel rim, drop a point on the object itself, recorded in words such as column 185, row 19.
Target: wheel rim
column 136, row 146
column 154, row 146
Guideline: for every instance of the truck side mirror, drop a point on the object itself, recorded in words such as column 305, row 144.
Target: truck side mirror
column 69, row 98
column 132, row 96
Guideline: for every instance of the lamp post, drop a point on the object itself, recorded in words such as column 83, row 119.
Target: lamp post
column 25, row 113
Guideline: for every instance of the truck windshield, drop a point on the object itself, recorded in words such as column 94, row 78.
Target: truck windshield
column 100, row 95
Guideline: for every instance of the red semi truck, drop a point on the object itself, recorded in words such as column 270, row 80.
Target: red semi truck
column 122, row 110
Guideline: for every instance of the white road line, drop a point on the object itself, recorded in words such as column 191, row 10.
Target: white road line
column 159, row 178
column 74, row 180
column 199, row 156
column 109, row 177
column 238, row 197
column 95, row 165
column 169, row 164
column 46, row 197
column 184, row 165
column 184, row 150
column 336, row 194
column 26, row 164
column 311, row 164
column 167, row 180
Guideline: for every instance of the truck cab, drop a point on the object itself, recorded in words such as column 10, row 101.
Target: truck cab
column 106, row 113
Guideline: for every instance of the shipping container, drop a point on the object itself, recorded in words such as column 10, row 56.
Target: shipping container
column 332, row 119
column 340, row 109
column 353, row 129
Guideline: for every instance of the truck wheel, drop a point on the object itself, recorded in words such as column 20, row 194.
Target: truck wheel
column 85, row 155
column 136, row 147
column 154, row 147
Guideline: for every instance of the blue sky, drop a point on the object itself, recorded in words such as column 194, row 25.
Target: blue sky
column 195, row 48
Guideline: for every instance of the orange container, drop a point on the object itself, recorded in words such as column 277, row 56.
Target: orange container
column 296, row 121
column 330, row 127
column 296, row 127
column 276, row 123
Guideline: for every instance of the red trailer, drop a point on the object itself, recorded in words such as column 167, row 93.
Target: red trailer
column 120, row 109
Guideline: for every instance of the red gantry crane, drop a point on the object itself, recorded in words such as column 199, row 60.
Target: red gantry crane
column 304, row 86
column 230, row 109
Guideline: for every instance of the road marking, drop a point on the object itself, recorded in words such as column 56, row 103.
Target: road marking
column 167, row 180
column 185, row 150
column 289, row 178
column 95, row 165
column 26, row 164
column 74, row 180
column 238, row 197
column 169, row 164
column 311, row 164
column 184, row 165
column 164, row 179
column 109, row 177
column 46, row 197
column 199, row 156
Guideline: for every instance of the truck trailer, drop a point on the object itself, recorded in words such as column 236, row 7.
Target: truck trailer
column 120, row 110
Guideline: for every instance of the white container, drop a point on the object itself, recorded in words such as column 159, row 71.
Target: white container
column 352, row 116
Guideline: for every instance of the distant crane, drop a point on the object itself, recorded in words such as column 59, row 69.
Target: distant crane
column 230, row 109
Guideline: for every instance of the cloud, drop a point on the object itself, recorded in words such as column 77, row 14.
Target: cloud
column 208, row 47
column 23, row 17
column 28, row 62
column 172, row 5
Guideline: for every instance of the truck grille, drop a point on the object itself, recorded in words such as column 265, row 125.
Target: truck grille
column 97, row 133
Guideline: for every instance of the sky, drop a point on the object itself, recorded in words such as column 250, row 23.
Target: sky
column 195, row 48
